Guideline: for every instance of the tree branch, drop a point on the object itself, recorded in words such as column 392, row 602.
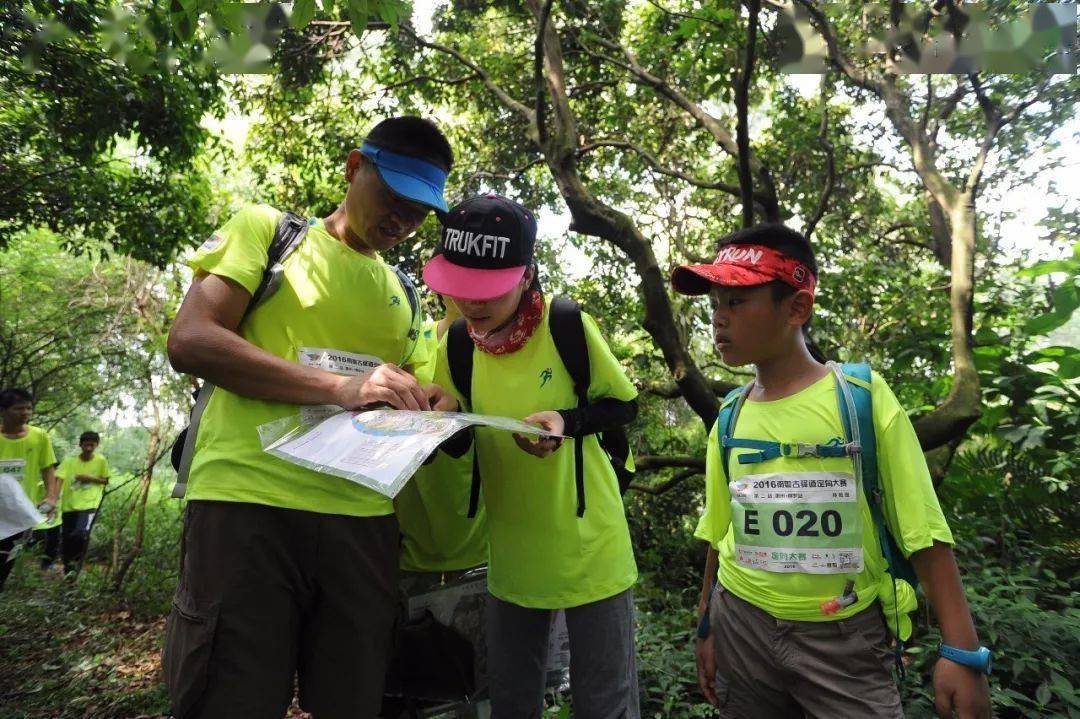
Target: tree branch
column 830, row 163
column 742, row 127
column 651, row 463
column 711, row 124
column 503, row 96
column 668, row 484
column 538, row 68
column 663, row 169
column 671, row 391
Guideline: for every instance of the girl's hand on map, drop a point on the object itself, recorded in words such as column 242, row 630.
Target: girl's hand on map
column 542, row 446
column 439, row 399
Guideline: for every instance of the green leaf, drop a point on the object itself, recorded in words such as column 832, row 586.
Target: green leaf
column 1042, row 694
column 1066, row 300
column 1047, row 267
column 229, row 16
column 358, row 16
column 303, row 12
column 393, row 11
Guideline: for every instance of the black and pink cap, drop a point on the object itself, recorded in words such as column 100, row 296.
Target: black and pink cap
column 487, row 243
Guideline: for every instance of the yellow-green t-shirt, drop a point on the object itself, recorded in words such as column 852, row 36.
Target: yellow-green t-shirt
column 541, row 554
column 433, row 508
column 337, row 309
column 839, row 506
column 25, row 458
column 80, row 496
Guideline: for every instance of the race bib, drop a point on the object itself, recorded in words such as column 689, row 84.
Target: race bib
column 347, row 364
column 14, row 468
column 807, row 522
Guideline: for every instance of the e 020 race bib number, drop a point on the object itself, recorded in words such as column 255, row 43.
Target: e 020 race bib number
column 802, row 522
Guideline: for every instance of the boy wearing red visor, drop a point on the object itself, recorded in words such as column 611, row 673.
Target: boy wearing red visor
column 819, row 513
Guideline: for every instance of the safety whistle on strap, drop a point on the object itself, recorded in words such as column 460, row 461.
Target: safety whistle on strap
column 845, row 600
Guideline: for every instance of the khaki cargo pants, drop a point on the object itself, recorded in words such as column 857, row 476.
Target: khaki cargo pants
column 769, row 668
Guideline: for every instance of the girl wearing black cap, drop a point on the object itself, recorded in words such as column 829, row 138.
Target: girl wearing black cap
column 557, row 531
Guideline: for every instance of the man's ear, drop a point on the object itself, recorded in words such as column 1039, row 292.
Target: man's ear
column 529, row 276
column 352, row 165
column 802, row 306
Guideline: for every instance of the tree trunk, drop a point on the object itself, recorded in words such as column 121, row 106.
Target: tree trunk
column 591, row 216
column 140, row 508
column 152, row 457
column 963, row 406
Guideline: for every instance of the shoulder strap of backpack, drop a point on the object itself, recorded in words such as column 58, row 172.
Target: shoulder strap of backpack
column 568, row 333
column 857, row 414
column 725, row 423
column 857, row 376
column 413, row 298
column 459, row 355
column 289, row 233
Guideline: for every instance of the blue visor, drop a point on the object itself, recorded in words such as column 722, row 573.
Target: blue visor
column 410, row 177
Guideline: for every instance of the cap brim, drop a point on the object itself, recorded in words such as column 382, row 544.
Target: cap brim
column 470, row 283
column 413, row 188
column 698, row 279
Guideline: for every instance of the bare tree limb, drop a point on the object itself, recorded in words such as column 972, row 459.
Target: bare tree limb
column 650, row 463
column 742, row 107
column 668, row 484
column 830, row 163
column 538, row 69
column 504, row 97
column 711, row 124
column 671, row 391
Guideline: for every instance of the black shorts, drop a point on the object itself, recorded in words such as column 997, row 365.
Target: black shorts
column 268, row 594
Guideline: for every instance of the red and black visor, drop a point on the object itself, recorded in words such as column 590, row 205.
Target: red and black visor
column 743, row 266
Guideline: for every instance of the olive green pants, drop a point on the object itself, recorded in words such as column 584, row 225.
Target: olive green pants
column 770, row 668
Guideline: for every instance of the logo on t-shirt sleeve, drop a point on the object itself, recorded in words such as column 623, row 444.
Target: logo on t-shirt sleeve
column 212, row 243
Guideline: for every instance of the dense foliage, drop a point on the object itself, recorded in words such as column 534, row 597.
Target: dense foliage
column 116, row 158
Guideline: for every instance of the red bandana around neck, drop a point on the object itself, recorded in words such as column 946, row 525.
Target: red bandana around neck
column 529, row 314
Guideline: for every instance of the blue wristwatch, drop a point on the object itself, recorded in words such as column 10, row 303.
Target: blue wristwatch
column 980, row 660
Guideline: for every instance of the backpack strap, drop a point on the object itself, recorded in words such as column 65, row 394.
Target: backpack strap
column 568, row 333
column 854, row 393
column 857, row 414
column 290, row 232
column 725, row 422
column 459, row 354
column 413, row 298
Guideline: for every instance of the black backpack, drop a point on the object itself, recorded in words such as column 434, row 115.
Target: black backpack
column 568, row 332
column 290, row 232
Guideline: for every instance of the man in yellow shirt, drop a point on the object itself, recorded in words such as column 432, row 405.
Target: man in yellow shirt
column 84, row 476
column 26, row 455
column 288, row 573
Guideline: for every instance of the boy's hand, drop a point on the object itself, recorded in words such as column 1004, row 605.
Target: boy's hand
column 705, row 653
column 439, row 399
column 542, row 446
column 961, row 690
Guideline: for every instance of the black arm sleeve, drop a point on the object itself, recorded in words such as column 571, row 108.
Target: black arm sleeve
column 457, row 445
column 604, row 413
